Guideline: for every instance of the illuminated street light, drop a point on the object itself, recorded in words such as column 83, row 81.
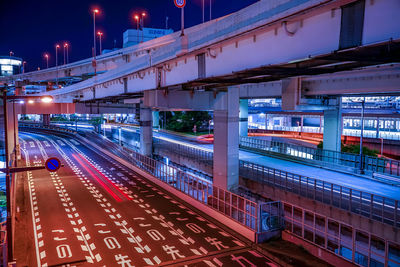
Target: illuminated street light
column 66, row 46
column 46, row 56
column 95, row 11
column 142, row 21
column 137, row 27
column 30, row 101
column 46, row 99
column 100, row 34
column 57, row 46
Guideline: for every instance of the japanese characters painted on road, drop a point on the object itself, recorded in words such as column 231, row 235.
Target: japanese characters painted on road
column 180, row 3
column 52, row 164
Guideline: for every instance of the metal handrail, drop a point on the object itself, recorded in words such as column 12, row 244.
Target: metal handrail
column 372, row 206
column 370, row 163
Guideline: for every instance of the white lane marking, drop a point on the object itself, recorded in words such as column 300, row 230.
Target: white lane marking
column 38, row 259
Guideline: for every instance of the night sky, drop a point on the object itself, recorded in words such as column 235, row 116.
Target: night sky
column 30, row 28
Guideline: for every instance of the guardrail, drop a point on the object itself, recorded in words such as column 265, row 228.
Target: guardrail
column 50, row 127
column 236, row 207
column 374, row 164
column 186, row 151
column 372, row 206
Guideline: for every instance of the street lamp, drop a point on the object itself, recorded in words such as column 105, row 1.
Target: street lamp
column 65, row 53
column 137, row 27
column 57, row 46
column 202, row 5
column 142, row 20
column 95, row 11
column 46, row 56
column 11, row 53
column 100, row 34
column 23, row 66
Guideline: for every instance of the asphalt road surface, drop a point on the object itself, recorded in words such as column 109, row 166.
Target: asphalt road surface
column 96, row 212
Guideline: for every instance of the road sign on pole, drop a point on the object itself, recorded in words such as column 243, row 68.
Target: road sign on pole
column 180, row 3
column 52, row 164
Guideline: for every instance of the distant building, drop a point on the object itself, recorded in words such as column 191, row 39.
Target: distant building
column 132, row 37
column 10, row 65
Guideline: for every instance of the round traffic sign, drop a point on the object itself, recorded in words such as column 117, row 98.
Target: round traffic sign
column 180, row 3
column 52, row 164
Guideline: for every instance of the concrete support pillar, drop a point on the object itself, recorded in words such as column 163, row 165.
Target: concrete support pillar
column 243, row 117
column 46, row 119
column 377, row 128
column 226, row 139
column 333, row 128
column 146, row 131
column 156, row 119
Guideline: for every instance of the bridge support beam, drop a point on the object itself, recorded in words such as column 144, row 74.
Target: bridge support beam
column 333, row 127
column 156, row 119
column 226, row 139
column 46, row 119
column 243, row 117
column 146, row 131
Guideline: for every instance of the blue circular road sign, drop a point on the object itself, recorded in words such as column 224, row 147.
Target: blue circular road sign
column 52, row 164
column 180, row 3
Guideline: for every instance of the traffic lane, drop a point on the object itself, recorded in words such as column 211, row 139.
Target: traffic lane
column 90, row 223
column 170, row 217
column 214, row 243
column 171, row 250
column 113, row 231
column 104, row 234
column 54, row 238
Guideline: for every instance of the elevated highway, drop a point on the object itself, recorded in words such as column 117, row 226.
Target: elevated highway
column 263, row 42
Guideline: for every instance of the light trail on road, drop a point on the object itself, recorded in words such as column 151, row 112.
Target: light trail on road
column 77, row 221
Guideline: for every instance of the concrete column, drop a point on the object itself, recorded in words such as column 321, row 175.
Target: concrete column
column 333, row 128
column 156, row 119
column 46, row 119
column 226, row 139
column 243, row 117
column 377, row 128
column 146, row 131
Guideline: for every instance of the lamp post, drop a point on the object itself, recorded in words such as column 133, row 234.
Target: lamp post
column 67, row 46
column 11, row 53
column 100, row 34
column 65, row 53
column 142, row 22
column 95, row 11
column 202, row 7
column 136, row 17
column 23, row 66
column 210, row 9
column 10, row 169
column 57, row 46
column 46, row 56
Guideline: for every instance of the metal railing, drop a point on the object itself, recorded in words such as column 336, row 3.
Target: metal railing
column 372, row 206
column 374, row 164
column 340, row 238
column 50, row 127
column 236, row 207
column 184, row 150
